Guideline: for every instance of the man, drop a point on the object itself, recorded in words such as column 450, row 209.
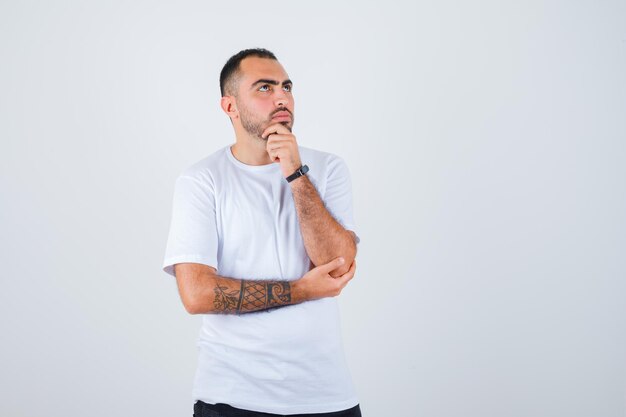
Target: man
column 260, row 245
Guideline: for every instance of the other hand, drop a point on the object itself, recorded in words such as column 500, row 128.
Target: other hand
column 317, row 283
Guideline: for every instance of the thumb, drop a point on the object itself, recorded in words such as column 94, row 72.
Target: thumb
column 343, row 280
column 332, row 265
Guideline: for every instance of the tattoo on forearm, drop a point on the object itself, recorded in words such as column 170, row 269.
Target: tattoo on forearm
column 253, row 295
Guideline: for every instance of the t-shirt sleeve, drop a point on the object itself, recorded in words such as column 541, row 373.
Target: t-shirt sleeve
column 338, row 194
column 193, row 228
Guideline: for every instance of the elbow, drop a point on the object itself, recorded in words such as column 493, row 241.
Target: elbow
column 192, row 300
column 348, row 253
column 198, row 304
column 194, row 308
column 192, row 280
column 191, row 306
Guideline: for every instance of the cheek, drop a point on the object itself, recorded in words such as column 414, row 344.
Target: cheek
column 262, row 106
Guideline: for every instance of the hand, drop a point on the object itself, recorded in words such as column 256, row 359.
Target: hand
column 317, row 283
column 282, row 148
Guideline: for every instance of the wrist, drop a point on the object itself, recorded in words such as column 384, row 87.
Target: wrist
column 298, row 293
column 290, row 167
column 297, row 173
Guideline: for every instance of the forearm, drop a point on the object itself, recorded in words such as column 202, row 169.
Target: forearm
column 324, row 238
column 222, row 295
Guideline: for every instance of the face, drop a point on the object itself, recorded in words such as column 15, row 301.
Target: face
column 264, row 95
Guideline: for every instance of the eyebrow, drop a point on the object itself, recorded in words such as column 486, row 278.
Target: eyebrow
column 267, row 81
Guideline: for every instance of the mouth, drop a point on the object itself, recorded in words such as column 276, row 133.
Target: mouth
column 282, row 116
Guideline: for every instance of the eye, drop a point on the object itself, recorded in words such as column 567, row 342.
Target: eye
column 264, row 87
column 287, row 87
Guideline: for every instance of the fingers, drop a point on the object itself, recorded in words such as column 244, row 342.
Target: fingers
column 278, row 153
column 276, row 145
column 280, row 146
column 327, row 286
column 277, row 128
column 280, row 140
column 343, row 280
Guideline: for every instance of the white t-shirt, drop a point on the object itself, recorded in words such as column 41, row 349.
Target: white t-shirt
column 241, row 220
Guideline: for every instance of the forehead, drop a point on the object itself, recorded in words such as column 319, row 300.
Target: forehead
column 254, row 68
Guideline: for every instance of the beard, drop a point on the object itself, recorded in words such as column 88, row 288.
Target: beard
column 255, row 126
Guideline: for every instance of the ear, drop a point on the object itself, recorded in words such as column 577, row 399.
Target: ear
column 229, row 106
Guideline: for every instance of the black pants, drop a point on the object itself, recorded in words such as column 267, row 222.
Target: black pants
column 202, row 409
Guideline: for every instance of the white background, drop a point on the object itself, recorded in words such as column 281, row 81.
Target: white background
column 486, row 143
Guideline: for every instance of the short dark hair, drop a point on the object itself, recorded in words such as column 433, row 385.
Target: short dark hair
column 228, row 75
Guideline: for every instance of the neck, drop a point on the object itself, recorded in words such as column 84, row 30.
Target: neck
column 250, row 150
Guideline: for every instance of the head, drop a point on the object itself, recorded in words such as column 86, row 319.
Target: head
column 256, row 90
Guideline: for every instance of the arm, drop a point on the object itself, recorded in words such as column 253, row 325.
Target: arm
column 202, row 291
column 324, row 238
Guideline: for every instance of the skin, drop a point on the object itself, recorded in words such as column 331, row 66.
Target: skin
column 262, row 91
column 204, row 292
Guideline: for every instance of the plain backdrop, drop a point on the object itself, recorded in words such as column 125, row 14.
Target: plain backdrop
column 486, row 144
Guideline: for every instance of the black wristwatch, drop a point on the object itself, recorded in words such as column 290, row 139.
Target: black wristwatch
column 299, row 172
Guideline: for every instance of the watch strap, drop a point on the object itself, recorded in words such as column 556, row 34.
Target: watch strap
column 299, row 172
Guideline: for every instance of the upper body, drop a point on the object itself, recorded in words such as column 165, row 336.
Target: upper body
column 244, row 240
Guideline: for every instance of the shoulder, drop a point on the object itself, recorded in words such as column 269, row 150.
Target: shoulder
column 319, row 159
column 326, row 170
column 204, row 170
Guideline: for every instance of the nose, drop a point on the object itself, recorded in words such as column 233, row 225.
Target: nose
column 281, row 99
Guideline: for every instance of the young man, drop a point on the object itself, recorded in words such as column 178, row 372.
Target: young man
column 260, row 243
